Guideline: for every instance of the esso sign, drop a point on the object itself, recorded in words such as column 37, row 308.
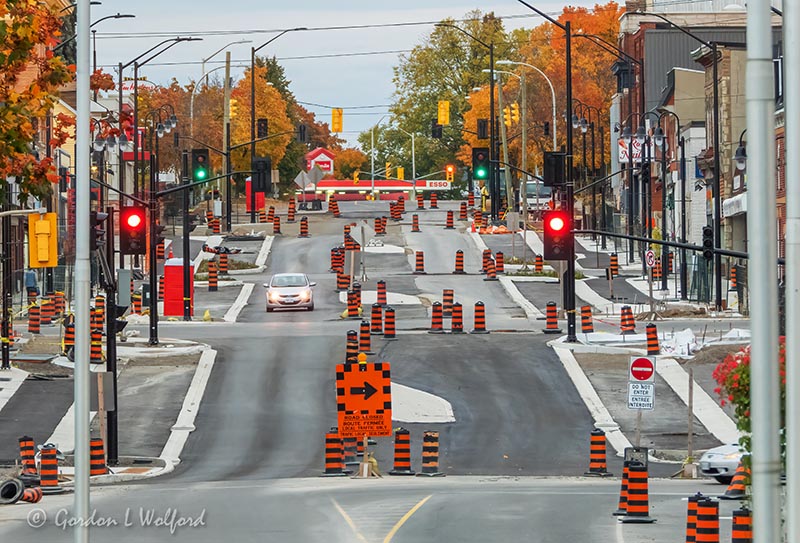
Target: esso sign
column 642, row 369
column 438, row 185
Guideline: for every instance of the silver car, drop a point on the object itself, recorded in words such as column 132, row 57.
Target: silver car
column 290, row 291
column 721, row 462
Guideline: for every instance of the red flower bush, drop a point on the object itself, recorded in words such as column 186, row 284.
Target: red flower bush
column 733, row 377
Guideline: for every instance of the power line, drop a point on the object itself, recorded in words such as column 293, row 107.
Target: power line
column 343, row 107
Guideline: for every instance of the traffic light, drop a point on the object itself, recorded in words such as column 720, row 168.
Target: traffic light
column 449, row 172
column 483, row 129
column 262, row 176
column 336, row 119
column 97, row 233
column 443, row 112
column 557, row 235
column 63, row 179
column 546, row 128
column 233, row 107
column 200, row 170
column 118, row 312
column 708, row 242
column 262, row 128
column 515, row 112
column 507, row 116
column 388, row 173
column 436, row 130
column 401, row 172
column 159, row 231
column 42, row 240
column 480, row 163
column 553, row 169
column 133, row 230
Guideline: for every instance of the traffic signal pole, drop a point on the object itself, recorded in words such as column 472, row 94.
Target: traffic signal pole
column 569, row 281
column 112, row 441
column 187, row 274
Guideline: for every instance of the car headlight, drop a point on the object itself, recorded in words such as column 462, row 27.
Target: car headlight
column 733, row 456
column 305, row 295
column 272, row 296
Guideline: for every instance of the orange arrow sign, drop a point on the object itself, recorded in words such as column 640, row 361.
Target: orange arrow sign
column 364, row 399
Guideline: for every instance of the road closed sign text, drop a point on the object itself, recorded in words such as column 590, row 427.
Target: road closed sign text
column 641, row 395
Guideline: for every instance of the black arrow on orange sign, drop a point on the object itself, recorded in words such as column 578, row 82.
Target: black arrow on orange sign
column 367, row 390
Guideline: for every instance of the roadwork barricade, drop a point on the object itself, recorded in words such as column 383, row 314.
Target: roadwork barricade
column 627, row 324
column 587, row 326
column 638, row 510
column 462, row 212
column 742, row 529
column 449, row 223
column 292, row 211
column 389, row 324
column 415, row 223
column 597, row 454
column 437, row 322
column 97, row 457
column 334, row 456
column 430, row 455
column 551, row 319
column 459, row 270
column 457, row 320
column 653, row 347
column 419, row 267
column 737, row 490
column 402, row 453
column 364, row 342
column 707, row 530
column 480, row 319
column 376, row 320
column 381, row 295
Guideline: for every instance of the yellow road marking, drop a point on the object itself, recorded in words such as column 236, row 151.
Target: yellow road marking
column 403, row 520
column 349, row 521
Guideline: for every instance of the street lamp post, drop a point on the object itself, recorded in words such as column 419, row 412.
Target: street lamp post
column 413, row 162
column 569, row 280
column 552, row 94
column 494, row 176
column 253, row 51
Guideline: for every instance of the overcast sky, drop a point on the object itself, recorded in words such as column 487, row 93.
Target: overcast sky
column 339, row 81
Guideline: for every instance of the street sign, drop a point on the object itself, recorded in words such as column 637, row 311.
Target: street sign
column 364, row 399
column 641, row 395
column 642, row 369
column 650, row 258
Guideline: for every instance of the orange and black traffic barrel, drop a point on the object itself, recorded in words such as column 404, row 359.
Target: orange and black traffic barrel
column 342, row 281
column 415, row 223
column 614, row 264
column 707, row 530
column 349, row 448
column 34, row 320
column 69, row 336
column 303, row 228
column 364, row 342
column 627, row 323
column 638, row 501
column 434, row 200
column 48, row 310
column 96, row 348
column 471, row 199
column 691, row 517
column 223, row 264
column 27, row 455
column 420, row 201
column 450, row 222
column 420, row 263
column 334, row 456
column 491, row 274
column 459, row 263
column 351, row 348
column 448, row 297
column 487, row 256
column 97, row 457
column 480, row 319
column 587, row 326
column 270, row 214
column 538, row 264
column 742, row 529
column 653, row 347
column 290, row 216
column 478, row 220
column 262, row 215
column 402, row 453
column 551, row 319
column 430, row 455
column 212, row 276
column 389, row 331
column 376, row 320
column 161, row 284
column 457, row 320
column 48, row 470
column 622, row 507
column 437, row 324
column 462, row 212
column 597, row 454
column 32, row 495
column 499, row 262
column 276, row 225
column 737, row 488
column 382, row 297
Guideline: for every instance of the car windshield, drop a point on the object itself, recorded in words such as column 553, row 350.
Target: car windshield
column 289, row 281
column 537, row 190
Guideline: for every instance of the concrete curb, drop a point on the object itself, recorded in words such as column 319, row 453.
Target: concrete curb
column 599, row 412
column 707, row 411
column 233, row 312
column 531, row 311
column 184, row 425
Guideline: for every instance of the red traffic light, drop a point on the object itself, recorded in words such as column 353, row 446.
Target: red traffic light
column 556, row 223
column 134, row 220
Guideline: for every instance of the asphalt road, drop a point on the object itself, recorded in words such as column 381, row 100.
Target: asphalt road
column 254, row 461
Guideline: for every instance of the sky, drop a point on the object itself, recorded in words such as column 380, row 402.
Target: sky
column 351, row 79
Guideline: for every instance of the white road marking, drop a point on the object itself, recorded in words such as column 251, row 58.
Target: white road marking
column 233, row 312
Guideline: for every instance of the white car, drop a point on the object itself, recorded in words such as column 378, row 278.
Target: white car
column 721, row 462
column 290, row 291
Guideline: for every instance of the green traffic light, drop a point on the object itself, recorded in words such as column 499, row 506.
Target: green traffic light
column 200, row 174
column 480, row 173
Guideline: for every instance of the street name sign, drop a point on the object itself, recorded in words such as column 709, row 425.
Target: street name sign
column 364, row 399
column 641, row 395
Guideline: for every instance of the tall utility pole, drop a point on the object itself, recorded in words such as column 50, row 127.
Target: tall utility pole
column 504, row 141
column 763, row 274
column 791, row 39
column 82, row 276
column 226, row 131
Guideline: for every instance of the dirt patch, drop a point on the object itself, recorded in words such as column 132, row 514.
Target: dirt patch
column 46, row 369
column 42, row 345
column 713, row 354
column 684, row 311
column 601, row 361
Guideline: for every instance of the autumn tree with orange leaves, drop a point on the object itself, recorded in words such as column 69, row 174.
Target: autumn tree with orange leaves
column 30, row 77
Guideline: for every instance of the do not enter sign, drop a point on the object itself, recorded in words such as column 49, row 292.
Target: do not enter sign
column 642, row 369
